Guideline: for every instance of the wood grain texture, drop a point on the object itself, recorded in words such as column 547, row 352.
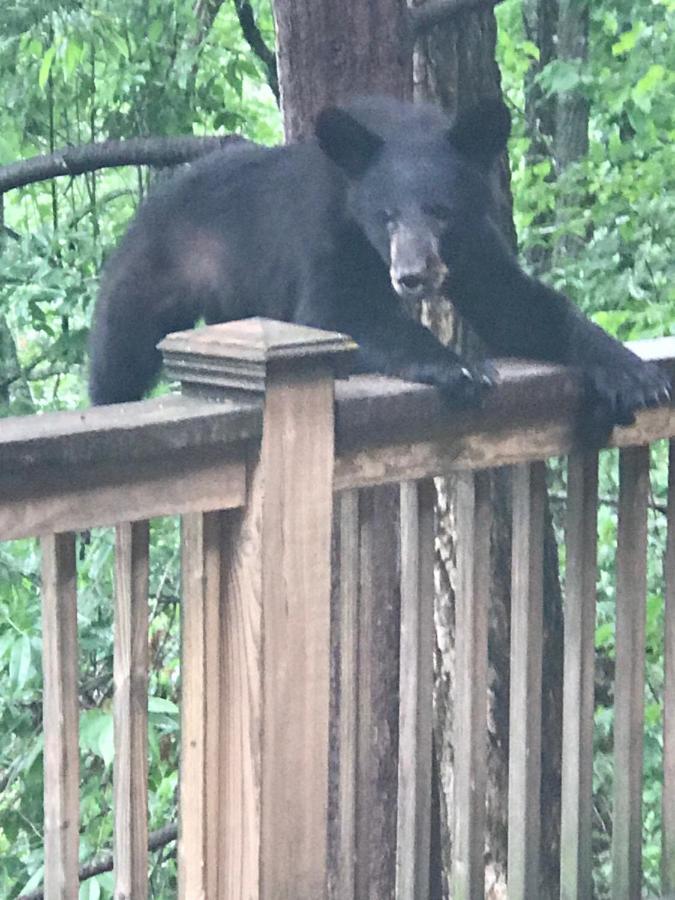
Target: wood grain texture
column 579, row 683
column 486, row 441
column 276, row 653
column 668, row 805
column 631, row 587
column 131, row 711
column 415, row 690
column 378, row 687
column 349, row 601
column 200, row 823
column 130, row 431
column 529, row 493
column 472, row 594
column 54, row 498
column 328, row 52
column 60, row 717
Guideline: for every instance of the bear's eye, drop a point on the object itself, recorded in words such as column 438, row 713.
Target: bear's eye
column 439, row 212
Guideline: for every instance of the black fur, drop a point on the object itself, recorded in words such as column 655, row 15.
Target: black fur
column 388, row 202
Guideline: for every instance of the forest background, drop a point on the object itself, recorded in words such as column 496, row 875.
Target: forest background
column 593, row 211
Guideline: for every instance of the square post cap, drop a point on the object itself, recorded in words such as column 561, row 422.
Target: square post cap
column 240, row 355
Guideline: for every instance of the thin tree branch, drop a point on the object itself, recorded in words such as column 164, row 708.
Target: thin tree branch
column 104, row 862
column 149, row 151
column 435, row 12
column 256, row 42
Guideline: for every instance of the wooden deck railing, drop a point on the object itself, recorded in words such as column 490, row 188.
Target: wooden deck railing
column 257, row 457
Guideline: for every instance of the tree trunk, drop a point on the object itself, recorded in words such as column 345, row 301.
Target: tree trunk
column 328, row 51
column 571, row 124
column 455, row 65
column 571, row 127
column 540, row 19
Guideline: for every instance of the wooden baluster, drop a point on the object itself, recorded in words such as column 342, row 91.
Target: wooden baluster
column 60, row 716
column 131, row 712
column 471, row 643
column 631, row 587
column 579, row 681
column 668, row 845
column 416, row 690
column 344, row 886
column 529, row 493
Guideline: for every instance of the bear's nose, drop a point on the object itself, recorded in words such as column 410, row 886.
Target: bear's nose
column 412, row 282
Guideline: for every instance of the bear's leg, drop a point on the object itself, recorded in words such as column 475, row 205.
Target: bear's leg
column 124, row 360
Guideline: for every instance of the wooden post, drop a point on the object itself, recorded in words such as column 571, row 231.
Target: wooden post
column 274, row 653
column 61, row 754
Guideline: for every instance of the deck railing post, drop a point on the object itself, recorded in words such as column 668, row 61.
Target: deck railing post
column 274, row 622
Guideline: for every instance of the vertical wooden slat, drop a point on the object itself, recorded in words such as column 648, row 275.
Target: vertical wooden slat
column 131, row 711
column 378, row 676
column 61, row 753
column 529, row 492
column 668, row 845
column 416, row 687
column 241, row 703
column 276, row 653
column 631, row 580
column 348, row 691
column 578, row 686
column 200, row 707
column 471, row 648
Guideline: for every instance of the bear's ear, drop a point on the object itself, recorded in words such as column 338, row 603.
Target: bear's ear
column 481, row 133
column 344, row 140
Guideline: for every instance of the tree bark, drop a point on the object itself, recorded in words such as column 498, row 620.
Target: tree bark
column 455, row 65
column 147, row 151
column 571, row 122
column 329, row 51
column 571, row 125
column 540, row 20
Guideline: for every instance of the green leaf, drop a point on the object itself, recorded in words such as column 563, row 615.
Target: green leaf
column 72, row 56
column 106, row 741
column 560, row 76
column 162, row 705
column 155, row 30
column 46, row 65
column 20, row 661
column 650, row 79
column 628, row 39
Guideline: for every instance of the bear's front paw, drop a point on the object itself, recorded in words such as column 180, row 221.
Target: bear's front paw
column 614, row 395
column 464, row 387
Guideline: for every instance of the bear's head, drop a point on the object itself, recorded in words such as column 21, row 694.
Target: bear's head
column 416, row 185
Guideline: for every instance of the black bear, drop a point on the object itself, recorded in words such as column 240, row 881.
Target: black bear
column 388, row 202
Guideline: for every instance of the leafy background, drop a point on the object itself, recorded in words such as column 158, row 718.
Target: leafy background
column 83, row 70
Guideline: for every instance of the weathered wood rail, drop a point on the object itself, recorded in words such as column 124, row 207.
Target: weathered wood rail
column 256, row 455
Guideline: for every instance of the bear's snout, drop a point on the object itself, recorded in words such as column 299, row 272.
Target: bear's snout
column 416, row 268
